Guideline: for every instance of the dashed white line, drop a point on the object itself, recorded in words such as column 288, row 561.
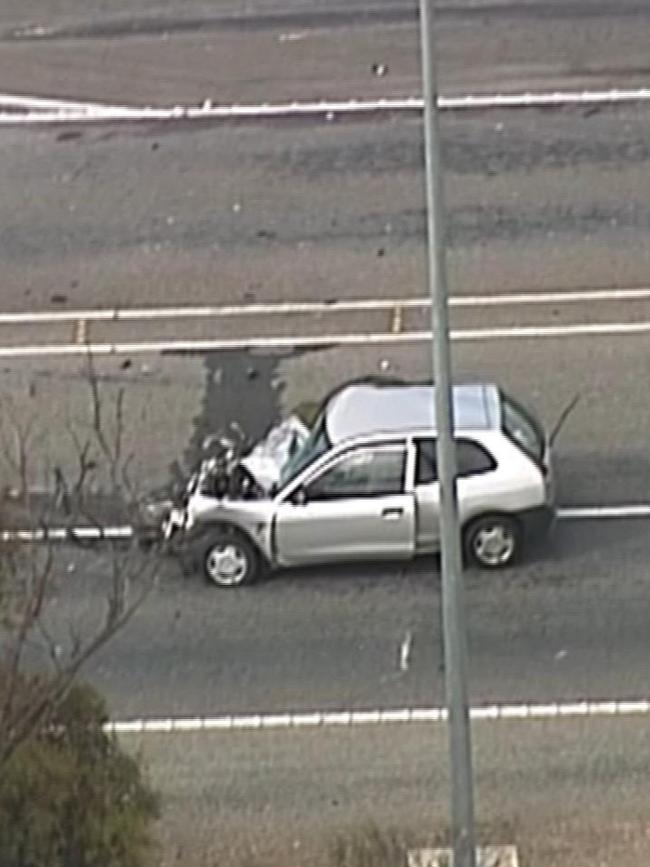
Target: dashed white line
column 64, row 534
column 283, row 308
column 67, row 534
column 354, row 718
column 329, row 108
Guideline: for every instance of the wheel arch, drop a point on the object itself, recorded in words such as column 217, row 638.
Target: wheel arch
column 491, row 513
column 199, row 535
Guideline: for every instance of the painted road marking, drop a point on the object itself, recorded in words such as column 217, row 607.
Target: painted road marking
column 604, row 512
column 39, row 103
column 80, row 335
column 283, row 308
column 353, row 718
column 65, row 534
column 324, row 341
column 405, row 647
column 396, row 319
column 490, row 855
column 328, row 108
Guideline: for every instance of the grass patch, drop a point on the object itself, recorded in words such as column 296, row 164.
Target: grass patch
column 369, row 846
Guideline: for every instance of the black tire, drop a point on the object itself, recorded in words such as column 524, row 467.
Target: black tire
column 493, row 541
column 230, row 560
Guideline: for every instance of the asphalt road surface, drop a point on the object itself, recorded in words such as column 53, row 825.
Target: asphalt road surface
column 146, row 216
column 105, row 216
column 570, row 625
column 165, row 53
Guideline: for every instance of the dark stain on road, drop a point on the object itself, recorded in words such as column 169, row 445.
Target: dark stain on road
column 240, row 386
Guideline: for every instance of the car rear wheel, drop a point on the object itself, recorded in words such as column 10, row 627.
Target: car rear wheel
column 230, row 560
column 493, row 541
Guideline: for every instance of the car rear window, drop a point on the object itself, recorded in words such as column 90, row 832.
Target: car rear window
column 522, row 428
column 471, row 460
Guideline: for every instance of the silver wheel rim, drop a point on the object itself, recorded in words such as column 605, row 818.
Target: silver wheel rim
column 494, row 544
column 226, row 564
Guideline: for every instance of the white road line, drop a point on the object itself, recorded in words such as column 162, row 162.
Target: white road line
column 284, row 308
column 487, row 855
column 330, row 108
column 63, row 534
column 604, row 512
column 405, row 651
column 354, row 718
column 527, row 332
column 40, row 103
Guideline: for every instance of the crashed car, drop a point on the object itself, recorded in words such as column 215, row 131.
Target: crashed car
column 226, row 471
column 361, row 484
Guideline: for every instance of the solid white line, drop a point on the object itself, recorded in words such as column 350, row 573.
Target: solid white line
column 39, row 102
column 333, row 107
column 601, row 512
column 529, row 332
column 284, row 308
column 355, row 718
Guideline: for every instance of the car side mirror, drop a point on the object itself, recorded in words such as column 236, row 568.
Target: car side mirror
column 299, row 496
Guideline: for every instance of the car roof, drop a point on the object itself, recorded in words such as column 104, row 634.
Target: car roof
column 369, row 409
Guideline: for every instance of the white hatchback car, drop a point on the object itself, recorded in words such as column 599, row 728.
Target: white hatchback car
column 363, row 485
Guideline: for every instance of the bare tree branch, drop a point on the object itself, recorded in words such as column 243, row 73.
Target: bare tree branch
column 28, row 575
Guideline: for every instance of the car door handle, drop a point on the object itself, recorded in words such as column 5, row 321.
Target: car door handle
column 392, row 514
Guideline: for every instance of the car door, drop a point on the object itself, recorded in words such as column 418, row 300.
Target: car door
column 473, row 464
column 427, row 496
column 353, row 508
column 476, row 473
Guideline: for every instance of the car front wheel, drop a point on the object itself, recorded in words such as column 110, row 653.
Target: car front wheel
column 230, row 560
column 493, row 541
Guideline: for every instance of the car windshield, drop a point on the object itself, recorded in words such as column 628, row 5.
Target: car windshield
column 316, row 444
column 521, row 427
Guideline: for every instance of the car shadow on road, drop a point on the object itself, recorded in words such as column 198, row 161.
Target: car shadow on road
column 361, row 575
column 574, row 549
column 567, row 551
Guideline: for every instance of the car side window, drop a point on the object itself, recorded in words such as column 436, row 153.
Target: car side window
column 426, row 466
column 362, row 473
column 471, row 458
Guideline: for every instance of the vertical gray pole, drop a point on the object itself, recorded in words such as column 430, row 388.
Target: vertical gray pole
column 455, row 642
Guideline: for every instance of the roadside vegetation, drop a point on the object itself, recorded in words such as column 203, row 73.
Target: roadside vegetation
column 69, row 795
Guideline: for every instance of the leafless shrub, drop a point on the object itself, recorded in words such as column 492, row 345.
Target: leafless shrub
column 29, row 572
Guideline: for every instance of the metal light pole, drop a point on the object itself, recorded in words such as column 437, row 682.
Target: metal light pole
column 455, row 642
